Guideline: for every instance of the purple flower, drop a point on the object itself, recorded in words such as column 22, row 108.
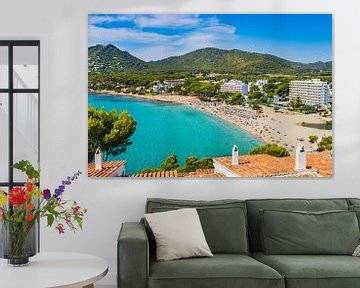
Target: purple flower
column 64, row 183
column 57, row 193
column 46, row 194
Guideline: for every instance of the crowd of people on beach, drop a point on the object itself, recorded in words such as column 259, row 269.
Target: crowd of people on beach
column 247, row 119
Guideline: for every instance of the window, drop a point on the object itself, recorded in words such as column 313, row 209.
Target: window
column 19, row 108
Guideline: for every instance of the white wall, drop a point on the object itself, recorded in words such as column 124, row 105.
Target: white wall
column 61, row 25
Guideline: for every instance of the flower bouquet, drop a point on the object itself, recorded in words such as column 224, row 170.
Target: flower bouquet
column 21, row 208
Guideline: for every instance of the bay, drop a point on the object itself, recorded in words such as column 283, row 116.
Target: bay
column 168, row 128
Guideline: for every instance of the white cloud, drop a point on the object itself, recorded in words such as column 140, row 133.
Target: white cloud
column 104, row 35
column 110, row 18
column 211, row 36
column 154, row 46
column 167, row 20
column 97, row 19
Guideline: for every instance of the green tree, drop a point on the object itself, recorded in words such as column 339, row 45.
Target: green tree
column 237, row 99
column 313, row 138
column 325, row 143
column 205, row 163
column 271, row 149
column 270, row 88
column 149, row 170
column 223, row 96
column 255, row 93
column 110, row 131
column 171, row 163
column 295, row 103
column 255, row 104
column 192, row 164
column 283, row 89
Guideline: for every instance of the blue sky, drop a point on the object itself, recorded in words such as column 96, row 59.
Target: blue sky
column 297, row 37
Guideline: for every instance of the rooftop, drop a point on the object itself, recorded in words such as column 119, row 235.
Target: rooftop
column 319, row 164
column 160, row 174
column 199, row 173
column 108, row 168
column 204, row 173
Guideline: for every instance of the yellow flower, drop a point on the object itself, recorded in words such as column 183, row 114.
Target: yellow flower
column 3, row 198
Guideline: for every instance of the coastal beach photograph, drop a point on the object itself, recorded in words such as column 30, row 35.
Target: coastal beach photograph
column 210, row 95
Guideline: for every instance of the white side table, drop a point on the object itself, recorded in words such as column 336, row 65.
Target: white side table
column 50, row 270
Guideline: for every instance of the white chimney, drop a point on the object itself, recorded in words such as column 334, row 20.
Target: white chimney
column 300, row 158
column 98, row 159
column 235, row 156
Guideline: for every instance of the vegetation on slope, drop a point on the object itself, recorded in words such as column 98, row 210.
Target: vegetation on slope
column 271, row 149
column 205, row 60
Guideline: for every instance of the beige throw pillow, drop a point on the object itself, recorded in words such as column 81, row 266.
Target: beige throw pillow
column 357, row 251
column 178, row 234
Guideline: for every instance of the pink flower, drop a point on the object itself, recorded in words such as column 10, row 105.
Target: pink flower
column 1, row 214
column 76, row 210
column 60, row 228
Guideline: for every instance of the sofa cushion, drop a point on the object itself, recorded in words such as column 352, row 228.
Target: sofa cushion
column 297, row 232
column 222, row 270
column 223, row 221
column 353, row 201
column 313, row 271
column 356, row 209
column 178, row 234
column 255, row 206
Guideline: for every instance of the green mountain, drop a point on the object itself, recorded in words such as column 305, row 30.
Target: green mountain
column 111, row 59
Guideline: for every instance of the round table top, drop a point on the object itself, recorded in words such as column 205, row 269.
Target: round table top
column 45, row 270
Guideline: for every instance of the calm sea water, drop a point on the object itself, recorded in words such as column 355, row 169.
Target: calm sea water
column 167, row 128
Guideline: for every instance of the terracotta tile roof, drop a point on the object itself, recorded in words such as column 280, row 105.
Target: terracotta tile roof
column 200, row 173
column 322, row 161
column 162, row 174
column 109, row 167
column 204, row 173
column 319, row 164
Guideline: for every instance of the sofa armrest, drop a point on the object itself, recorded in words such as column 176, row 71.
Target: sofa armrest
column 133, row 256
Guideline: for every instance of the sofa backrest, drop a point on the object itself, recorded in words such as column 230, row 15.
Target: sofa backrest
column 223, row 221
column 255, row 206
column 353, row 202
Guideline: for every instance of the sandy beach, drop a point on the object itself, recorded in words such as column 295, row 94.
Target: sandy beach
column 283, row 127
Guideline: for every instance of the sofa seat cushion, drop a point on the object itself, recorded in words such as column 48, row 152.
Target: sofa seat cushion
column 222, row 270
column 313, row 271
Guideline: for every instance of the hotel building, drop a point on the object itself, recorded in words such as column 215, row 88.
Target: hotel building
column 311, row 92
column 235, row 86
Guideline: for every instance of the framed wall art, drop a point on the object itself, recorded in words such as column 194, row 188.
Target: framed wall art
column 210, row 95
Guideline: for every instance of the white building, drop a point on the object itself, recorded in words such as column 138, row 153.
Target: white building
column 235, row 86
column 173, row 83
column 311, row 92
column 261, row 83
column 159, row 88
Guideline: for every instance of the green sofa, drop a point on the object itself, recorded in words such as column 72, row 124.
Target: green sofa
column 233, row 230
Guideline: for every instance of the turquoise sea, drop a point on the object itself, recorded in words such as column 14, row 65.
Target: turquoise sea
column 167, row 128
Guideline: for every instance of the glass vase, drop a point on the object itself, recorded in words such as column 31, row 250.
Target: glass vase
column 18, row 242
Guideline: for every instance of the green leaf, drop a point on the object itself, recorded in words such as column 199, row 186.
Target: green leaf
column 26, row 167
column 50, row 219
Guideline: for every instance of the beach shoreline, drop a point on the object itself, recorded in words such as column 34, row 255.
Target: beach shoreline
column 282, row 128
